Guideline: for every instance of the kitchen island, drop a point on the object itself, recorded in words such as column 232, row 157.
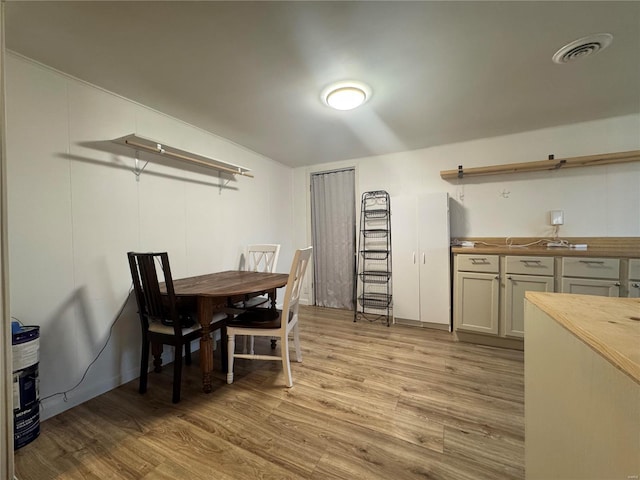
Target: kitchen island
column 582, row 387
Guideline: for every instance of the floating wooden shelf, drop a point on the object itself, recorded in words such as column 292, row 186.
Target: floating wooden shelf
column 551, row 164
column 144, row 144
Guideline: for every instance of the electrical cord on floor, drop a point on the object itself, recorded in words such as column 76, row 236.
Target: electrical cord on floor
column 84, row 375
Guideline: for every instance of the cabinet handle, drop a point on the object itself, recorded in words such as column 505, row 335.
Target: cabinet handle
column 424, row 258
column 479, row 261
column 509, row 277
column 595, row 262
column 617, row 284
column 538, row 262
column 636, row 285
column 414, row 258
column 497, row 277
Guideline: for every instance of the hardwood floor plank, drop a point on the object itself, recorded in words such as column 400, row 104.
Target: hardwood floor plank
column 368, row 402
column 502, row 453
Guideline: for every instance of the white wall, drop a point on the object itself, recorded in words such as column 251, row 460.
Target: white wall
column 75, row 209
column 597, row 201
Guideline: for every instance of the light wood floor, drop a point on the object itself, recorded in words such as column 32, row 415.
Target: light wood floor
column 368, row 402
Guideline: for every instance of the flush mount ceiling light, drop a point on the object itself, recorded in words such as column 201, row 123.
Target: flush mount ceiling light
column 346, row 95
column 583, row 47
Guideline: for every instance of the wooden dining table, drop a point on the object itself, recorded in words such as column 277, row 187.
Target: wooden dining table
column 218, row 292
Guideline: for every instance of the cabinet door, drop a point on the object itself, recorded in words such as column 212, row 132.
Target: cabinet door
column 477, row 302
column 515, row 288
column 634, row 278
column 589, row 286
column 434, row 258
column 404, row 269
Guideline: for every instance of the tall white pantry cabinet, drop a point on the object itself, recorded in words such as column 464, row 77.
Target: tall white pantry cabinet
column 421, row 260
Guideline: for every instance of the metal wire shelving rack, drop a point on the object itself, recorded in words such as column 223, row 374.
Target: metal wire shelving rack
column 373, row 288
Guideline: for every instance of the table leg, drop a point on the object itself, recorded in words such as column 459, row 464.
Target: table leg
column 205, row 314
column 272, row 297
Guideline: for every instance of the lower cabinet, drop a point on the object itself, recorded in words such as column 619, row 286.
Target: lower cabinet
column 489, row 290
column 515, row 288
column 522, row 274
column 591, row 286
column 476, row 293
column 491, row 303
column 591, row 276
column 633, row 284
column 477, row 302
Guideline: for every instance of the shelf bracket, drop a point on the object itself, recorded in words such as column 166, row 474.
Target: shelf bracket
column 136, row 169
column 222, row 183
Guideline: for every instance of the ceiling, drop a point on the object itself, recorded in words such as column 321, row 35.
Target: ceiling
column 440, row 72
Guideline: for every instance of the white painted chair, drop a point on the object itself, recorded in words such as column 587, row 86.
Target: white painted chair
column 259, row 258
column 256, row 258
column 270, row 322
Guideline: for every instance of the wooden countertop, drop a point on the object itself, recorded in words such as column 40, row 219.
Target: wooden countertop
column 548, row 252
column 609, row 326
column 617, row 247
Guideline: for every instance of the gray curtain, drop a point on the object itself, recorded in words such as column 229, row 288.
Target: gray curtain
column 333, row 224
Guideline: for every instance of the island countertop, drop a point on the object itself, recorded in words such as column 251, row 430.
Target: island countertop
column 609, row 326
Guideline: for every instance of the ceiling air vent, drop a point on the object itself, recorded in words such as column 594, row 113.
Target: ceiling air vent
column 583, row 47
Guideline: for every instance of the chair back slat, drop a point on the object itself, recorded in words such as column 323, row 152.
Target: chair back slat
column 152, row 303
column 262, row 258
column 294, row 284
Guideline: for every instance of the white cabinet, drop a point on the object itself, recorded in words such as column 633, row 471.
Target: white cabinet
column 404, row 252
column 476, row 293
column 634, row 278
column 523, row 274
column 489, row 289
column 420, row 259
column 480, row 287
column 591, row 276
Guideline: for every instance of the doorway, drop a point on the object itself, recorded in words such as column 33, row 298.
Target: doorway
column 333, row 230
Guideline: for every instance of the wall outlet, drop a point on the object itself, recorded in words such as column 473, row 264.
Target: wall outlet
column 556, row 217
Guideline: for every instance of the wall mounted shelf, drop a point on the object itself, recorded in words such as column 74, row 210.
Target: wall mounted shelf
column 145, row 145
column 550, row 164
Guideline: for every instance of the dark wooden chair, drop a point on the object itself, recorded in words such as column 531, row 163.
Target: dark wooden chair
column 163, row 318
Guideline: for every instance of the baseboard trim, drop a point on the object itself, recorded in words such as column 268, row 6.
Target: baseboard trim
column 500, row 342
column 419, row 324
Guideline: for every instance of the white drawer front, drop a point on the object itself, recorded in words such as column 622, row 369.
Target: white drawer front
column 634, row 269
column 479, row 263
column 529, row 265
column 587, row 267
